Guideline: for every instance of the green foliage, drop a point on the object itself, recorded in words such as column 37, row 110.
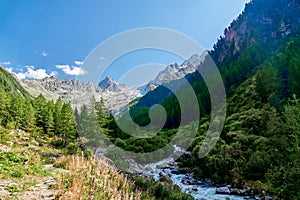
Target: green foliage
column 66, row 124
column 266, row 82
column 159, row 190
column 12, row 188
column 10, row 84
column 12, row 164
column 93, row 124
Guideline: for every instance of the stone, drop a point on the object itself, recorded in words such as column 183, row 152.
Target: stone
column 4, row 193
column 223, row 190
column 195, row 189
column 239, row 192
column 268, row 198
column 166, row 179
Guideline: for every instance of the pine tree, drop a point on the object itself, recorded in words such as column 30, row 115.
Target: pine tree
column 266, row 82
column 41, row 111
column 66, row 124
column 56, row 115
column 49, row 122
column 102, row 115
column 4, row 106
column 16, row 110
column 28, row 118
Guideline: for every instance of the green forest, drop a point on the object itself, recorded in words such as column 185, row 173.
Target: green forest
column 259, row 145
column 258, row 57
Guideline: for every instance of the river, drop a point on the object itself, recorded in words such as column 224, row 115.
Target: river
column 168, row 169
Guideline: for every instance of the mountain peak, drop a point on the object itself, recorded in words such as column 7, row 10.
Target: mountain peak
column 195, row 59
column 107, row 82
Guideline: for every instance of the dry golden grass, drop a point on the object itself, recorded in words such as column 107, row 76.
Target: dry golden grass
column 91, row 179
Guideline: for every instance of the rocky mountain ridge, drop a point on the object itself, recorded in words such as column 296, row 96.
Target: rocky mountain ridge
column 174, row 72
column 77, row 93
column 115, row 95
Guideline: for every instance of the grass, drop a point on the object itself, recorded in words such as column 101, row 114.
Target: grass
column 20, row 163
column 22, row 166
column 94, row 179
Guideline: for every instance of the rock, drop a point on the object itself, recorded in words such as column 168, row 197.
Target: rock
column 47, row 193
column 77, row 93
column 163, row 166
column 223, row 190
column 185, row 182
column 4, row 193
column 268, row 198
column 175, row 171
column 166, row 179
column 4, row 148
column 48, row 166
column 160, row 174
column 34, row 142
column 149, row 169
column 239, row 192
column 50, row 182
column 195, row 189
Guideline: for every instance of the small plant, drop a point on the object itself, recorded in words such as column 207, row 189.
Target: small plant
column 12, row 188
column 17, row 174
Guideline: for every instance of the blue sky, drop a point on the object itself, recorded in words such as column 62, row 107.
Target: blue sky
column 39, row 38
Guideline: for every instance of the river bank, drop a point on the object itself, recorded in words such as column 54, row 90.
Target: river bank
column 167, row 170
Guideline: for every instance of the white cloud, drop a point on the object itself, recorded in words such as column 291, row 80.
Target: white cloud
column 5, row 63
column 71, row 70
column 36, row 74
column 44, row 53
column 10, row 70
column 31, row 73
column 54, row 73
column 78, row 62
column 21, row 75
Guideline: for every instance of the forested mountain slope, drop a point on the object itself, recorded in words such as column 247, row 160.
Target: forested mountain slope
column 10, row 83
column 259, row 59
column 264, row 27
column 259, row 146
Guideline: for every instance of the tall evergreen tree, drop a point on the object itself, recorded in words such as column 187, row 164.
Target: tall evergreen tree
column 266, row 82
column 57, row 114
column 40, row 105
column 29, row 120
column 16, row 110
column 4, row 107
column 66, row 124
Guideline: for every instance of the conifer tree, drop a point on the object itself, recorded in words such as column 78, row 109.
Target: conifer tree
column 4, row 106
column 56, row 115
column 41, row 111
column 49, row 122
column 16, row 110
column 28, row 118
column 66, row 124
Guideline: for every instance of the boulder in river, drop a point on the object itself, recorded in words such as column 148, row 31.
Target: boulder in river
column 238, row 192
column 223, row 190
column 166, row 179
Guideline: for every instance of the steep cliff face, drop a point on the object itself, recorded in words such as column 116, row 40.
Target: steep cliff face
column 262, row 20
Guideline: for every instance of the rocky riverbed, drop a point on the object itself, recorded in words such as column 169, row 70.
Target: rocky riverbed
column 167, row 170
column 187, row 183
